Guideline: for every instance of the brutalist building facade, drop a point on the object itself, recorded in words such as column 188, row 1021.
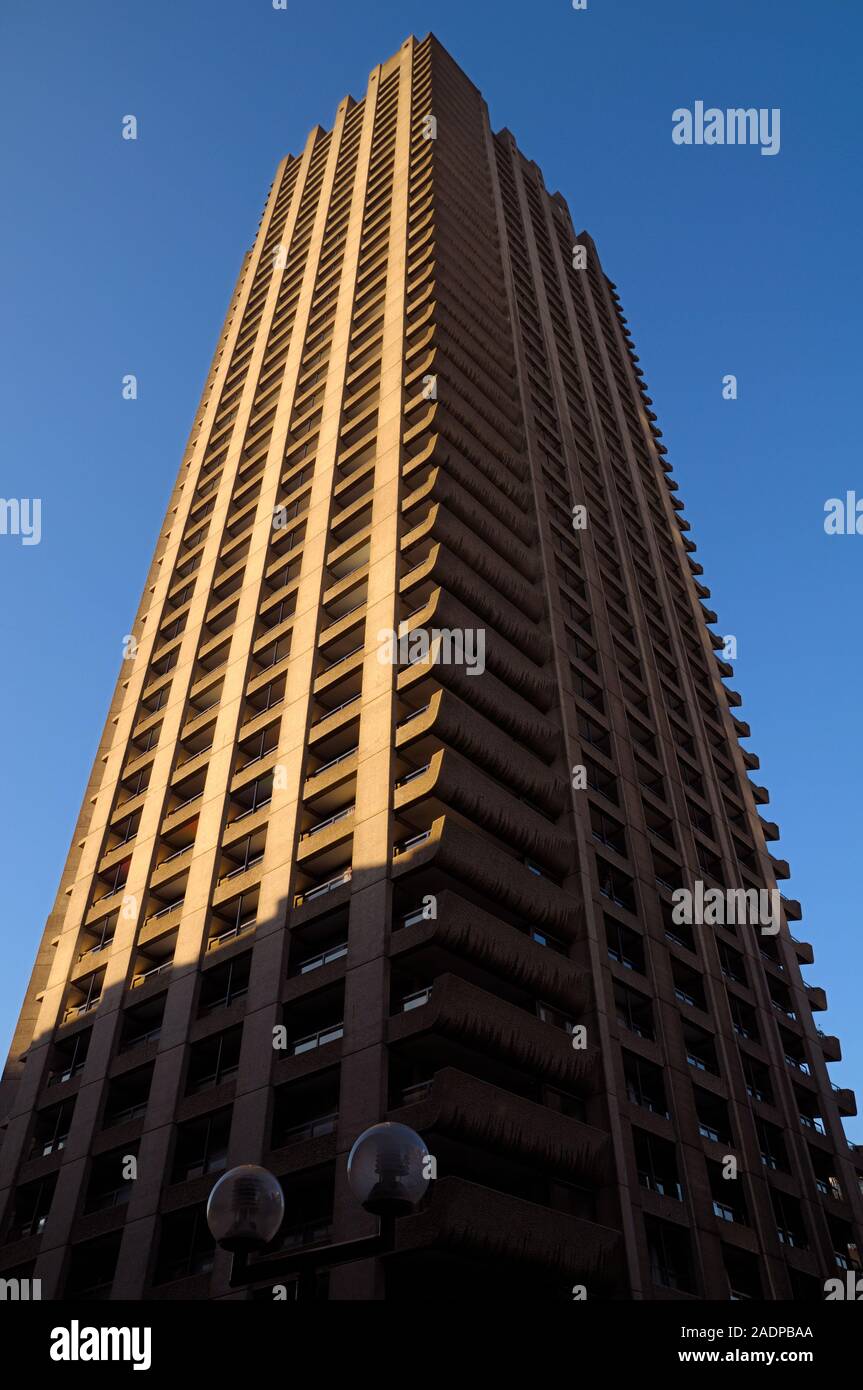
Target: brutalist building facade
column 423, row 729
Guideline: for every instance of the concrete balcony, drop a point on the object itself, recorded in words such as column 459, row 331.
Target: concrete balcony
column 455, row 782
column 464, row 1108
column 845, row 1099
column 496, row 946
column 830, row 1046
column 443, row 568
column 492, row 698
column 516, row 671
column 483, row 742
column 803, row 950
column 453, row 516
column 482, row 1021
column 494, row 875
column 466, row 1217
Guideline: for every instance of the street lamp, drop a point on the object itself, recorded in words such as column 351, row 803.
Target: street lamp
column 387, row 1173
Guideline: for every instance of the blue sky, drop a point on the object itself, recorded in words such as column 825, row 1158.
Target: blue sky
column 120, row 257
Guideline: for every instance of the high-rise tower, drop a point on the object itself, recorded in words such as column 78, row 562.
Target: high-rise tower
column 445, row 874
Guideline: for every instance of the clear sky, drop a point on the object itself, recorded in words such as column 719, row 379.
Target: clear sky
column 120, row 257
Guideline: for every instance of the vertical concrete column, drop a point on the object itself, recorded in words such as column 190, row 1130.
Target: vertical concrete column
column 363, row 1076
column 256, row 1077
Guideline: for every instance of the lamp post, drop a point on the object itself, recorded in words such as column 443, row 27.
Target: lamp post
column 387, row 1173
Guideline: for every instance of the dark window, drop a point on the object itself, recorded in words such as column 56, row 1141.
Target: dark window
column 669, row 1254
column 213, row 1060
column 185, row 1246
column 202, row 1145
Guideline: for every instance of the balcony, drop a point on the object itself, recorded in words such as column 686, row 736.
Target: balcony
column 491, row 875
column 830, row 1046
column 484, row 742
column 464, row 1108
column 494, row 945
column 463, row 1216
column 845, row 1099
column 320, row 890
column 803, row 950
column 455, row 782
column 310, row 1041
column 491, row 1025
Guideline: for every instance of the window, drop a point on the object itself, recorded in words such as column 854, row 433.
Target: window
column 607, row 830
column 185, row 1246
column 201, row 1146
column 656, row 1164
column 68, row 1057
column 306, row 1109
column 127, row 1096
column 30, row 1208
column 634, row 1011
column 223, row 986
column 789, row 1220
column 669, row 1255
column 625, row 946
column 91, row 1268
column 213, row 1060
column 729, row 1201
column 700, row 1049
column 51, row 1129
column 617, row 886
column 644, row 1084
column 109, row 1186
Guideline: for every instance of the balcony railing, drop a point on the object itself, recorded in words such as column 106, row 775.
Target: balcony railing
column 333, row 762
column 97, row 949
column 321, row 888
column 414, row 714
column 131, row 1112
column 250, row 810
column 310, row 1129
column 324, row 958
column 149, row 974
column 813, row 1122
column 797, row 1065
column 331, row 820
column 418, row 772
column 318, row 1039
column 409, row 844
column 242, row 868
column 76, row 1010
column 163, row 911
column 337, row 661
column 416, row 999
column 309, row 1233
column 231, row 932
column 410, row 919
